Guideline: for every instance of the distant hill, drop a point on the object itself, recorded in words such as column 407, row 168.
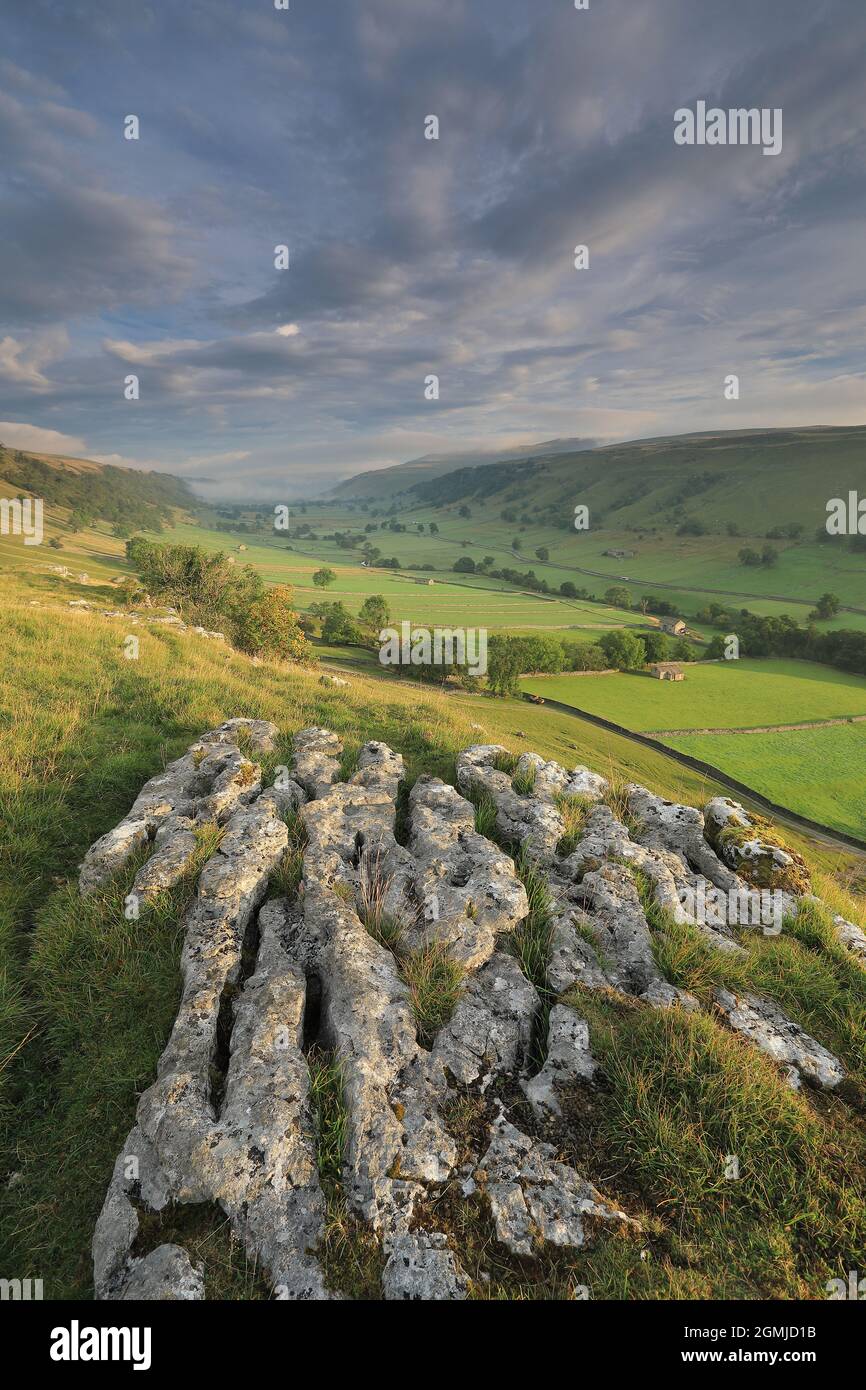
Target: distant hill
column 778, row 477
column 93, row 491
column 390, row 482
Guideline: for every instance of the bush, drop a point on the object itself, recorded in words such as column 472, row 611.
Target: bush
column 271, row 628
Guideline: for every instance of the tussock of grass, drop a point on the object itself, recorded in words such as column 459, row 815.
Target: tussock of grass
column 286, row 877
column 485, row 812
column 435, row 981
column 530, row 940
column 505, row 762
column 574, row 810
column 280, row 756
column 385, row 927
column 330, row 1117
column 523, row 781
column 350, row 1253
column 349, row 760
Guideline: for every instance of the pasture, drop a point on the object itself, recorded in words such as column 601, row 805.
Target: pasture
column 725, row 694
column 816, row 772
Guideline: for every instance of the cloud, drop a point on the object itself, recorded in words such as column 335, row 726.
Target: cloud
column 409, row 256
column 18, row 435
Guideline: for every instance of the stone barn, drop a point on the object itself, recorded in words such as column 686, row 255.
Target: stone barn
column 667, row 671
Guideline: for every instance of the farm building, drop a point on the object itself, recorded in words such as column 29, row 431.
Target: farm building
column 675, row 626
column 667, row 671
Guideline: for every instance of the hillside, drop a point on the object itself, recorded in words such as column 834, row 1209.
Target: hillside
column 90, row 996
column 783, row 477
column 93, row 491
column 391, row 482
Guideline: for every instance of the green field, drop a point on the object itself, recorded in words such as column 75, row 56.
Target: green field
column 816, row 772
column 727, row 694
column 449, row 600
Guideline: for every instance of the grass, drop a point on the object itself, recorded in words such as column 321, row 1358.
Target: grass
column 435, row 983
column 530, row 940
column 805, row 969
column 88, row 997
column 108, row 989
column 683, row 1096
column 783, row 768
column 286, row 877
column 523, row 781
column 383, row 926
column 485, row 813
column 350, row 1254
column 574, row 810
column 724, row 694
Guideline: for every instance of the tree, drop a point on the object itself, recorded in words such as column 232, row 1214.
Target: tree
column 748, row 556
column 827, row 607
column 375, row 611
column 623, row 650
column 271, row 627
column 542, row 553
column 656, row 645
column 434, row 529
column 465, row 565
column 464, row 511
column 338, row 625
column 618, row 596
column 769, row 556
column 324, row 577
column 503, row 665
column 568, row 590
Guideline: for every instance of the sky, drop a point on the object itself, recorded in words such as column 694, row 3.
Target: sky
column 412, row 257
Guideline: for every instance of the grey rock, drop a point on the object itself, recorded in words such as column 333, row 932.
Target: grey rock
column 167, row 1273
column 467, row 888
column 316, row 760
column 569, row 1060
column 620, row 928
column 851, row 936
column 490, row 1031
column 533, row 822
column 420, row 1266
column 764, row 1024
column 754, row 857
column 534, row 1199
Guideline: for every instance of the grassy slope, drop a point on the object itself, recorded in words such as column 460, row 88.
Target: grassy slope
column 725, row 694
column 86, row 1009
